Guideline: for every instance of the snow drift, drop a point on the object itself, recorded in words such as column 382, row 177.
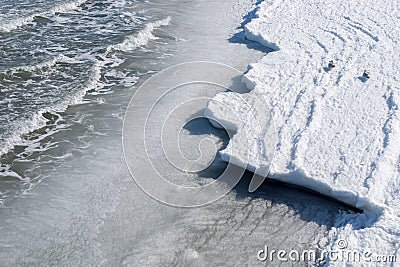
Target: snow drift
column 338, row 133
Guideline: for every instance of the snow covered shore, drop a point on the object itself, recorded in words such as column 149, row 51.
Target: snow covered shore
column 338, row 133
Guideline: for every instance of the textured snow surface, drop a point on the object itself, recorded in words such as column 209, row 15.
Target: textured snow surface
column 337, row 133
column 253, row 139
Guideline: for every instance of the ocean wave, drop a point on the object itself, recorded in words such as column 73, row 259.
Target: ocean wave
column 129, row 44
column 14, row 24
column 20, row 129
column 42, row 65
column 94, row 83
column 142, row 38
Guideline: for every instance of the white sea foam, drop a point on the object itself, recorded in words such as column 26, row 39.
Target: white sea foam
column 142, row 38
column 21, row 128
column 9, row 173
column 12, row 24
column 94, row 83
column 36, row 121
column 42, row 65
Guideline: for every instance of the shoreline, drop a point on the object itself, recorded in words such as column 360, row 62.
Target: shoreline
column 86, row 209
column 329, row 138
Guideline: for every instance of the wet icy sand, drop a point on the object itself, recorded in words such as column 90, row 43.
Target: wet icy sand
column 338, row 133
column 87, row 211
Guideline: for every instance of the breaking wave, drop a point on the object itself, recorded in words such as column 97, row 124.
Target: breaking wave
column 14, row 24
column 94, row 83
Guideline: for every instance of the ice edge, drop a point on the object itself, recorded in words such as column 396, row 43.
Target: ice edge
column 297, row 177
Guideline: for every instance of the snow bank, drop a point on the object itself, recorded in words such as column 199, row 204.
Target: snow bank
column 253, row 135
column 337, row 133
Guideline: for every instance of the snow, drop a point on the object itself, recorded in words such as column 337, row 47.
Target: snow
column 87, row 210
column 252, row 142
column 336, row 132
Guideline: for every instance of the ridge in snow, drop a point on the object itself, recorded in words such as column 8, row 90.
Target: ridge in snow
column 337, row 133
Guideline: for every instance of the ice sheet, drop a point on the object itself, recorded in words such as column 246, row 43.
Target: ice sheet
column 338, row 133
